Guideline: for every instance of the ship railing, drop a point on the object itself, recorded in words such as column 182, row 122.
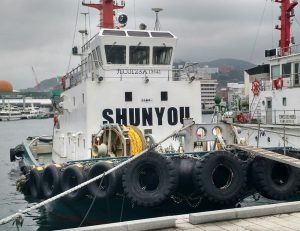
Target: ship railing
column 289, row 81
column 291, row 50
column 276, row 117
column 76, row 75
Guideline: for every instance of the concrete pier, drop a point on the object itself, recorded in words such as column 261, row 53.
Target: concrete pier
column 281, row 217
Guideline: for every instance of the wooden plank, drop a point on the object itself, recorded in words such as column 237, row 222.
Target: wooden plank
column 269, row 155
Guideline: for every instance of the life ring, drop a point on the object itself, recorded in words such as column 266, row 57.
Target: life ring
column 35, row 182
column 241, row 118
column 220, row 177
column 278, row 83
column 50, row 183
column 274, row 180
column 71, row 177
column 109, row 184
column 150, row 179
column 255, row 87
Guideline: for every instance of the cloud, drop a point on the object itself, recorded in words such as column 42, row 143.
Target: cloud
column 39, row 33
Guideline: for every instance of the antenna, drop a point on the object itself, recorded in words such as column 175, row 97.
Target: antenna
column 157, row 23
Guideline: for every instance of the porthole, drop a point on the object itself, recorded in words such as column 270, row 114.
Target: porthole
column 216, row 131
column 201, row 132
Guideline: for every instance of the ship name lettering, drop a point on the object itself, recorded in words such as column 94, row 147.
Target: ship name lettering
column 137, row 72
column 146, row 116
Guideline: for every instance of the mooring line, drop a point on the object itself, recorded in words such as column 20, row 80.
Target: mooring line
column 19, row 214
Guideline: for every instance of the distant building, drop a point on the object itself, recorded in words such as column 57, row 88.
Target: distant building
column 223, row 94
column 236, row 92
column 208, row 85
column 224, row 69
column 208, row 93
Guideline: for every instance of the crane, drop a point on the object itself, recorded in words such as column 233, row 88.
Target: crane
column 36, row 78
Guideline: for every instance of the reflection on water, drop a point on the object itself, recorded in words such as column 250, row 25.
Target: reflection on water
column 11, row 134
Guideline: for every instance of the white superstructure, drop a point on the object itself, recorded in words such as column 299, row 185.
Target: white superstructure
column 125, row 77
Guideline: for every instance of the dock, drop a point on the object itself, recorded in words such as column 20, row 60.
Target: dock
column 277, row 217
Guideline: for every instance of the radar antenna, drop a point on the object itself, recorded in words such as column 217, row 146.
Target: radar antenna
column 157, row 23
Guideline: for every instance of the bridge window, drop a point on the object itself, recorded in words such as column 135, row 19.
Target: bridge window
column 115, row 54
column 138, row 33
column 162, row 55
column 139, row 55
column 114, row 32
column 275, row 71
column 286, row 70
column 162, row 35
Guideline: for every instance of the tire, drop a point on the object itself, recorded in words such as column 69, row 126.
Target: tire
column 272, row 185
column 185, row 168
column 71, row 177
column 109, row 183
column 35, row 181
column 12, row 155
column 150, row 179
column 220, row 177
column 51, row 181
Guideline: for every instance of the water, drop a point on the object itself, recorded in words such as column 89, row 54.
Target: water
column 13, row 133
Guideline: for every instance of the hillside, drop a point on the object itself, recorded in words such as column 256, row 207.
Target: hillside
column 230, row 70
column 46, row 85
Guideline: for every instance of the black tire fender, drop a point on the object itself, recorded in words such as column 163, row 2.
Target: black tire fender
column 109, row 183
column 72, row 176
column 35, row 182
column 150, row 179
column 221, row 177
column 12, row 155
column 274, row 180
column 51, row 180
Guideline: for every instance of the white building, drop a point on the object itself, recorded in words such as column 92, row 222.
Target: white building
column 236, row 92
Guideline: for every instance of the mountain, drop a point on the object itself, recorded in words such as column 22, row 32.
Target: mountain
column 230, row 70
column 46, row 85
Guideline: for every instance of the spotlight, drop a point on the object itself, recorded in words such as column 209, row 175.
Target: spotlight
column 100, row 79
column 192, row 79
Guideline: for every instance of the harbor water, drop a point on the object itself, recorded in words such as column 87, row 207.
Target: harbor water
column 11, row 134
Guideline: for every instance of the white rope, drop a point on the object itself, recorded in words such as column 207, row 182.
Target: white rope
column 19, row 214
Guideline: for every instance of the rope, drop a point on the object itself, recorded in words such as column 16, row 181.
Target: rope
column 258, row 30
column 19, row 214
column 78, row 4
column 91, row 206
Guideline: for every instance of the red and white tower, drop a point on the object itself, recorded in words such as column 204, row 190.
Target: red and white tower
column 106, row 8
column 287, row 7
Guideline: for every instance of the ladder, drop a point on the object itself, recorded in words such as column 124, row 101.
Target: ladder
column 269, row 155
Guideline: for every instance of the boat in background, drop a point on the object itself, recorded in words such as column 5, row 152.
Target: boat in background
column 10, row 112
column 272, row 116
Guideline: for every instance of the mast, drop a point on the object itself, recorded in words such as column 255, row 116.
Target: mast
column 285, row 20
column 106, row 8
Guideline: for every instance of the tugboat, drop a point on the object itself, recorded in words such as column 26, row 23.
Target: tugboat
column 112, row 120
column 273, row 88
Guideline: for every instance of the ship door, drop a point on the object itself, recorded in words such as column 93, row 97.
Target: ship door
column 269, row 110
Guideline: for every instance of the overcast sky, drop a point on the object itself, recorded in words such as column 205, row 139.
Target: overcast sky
column 39, row 33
